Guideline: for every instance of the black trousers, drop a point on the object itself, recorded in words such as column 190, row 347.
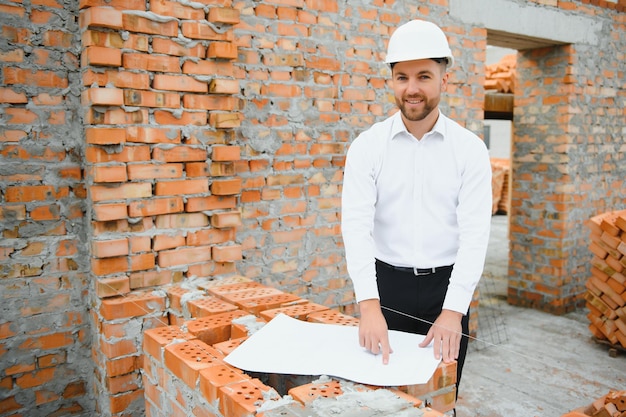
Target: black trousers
column 417, row 296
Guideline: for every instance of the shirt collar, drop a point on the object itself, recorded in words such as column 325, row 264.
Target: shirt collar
column 439, row 130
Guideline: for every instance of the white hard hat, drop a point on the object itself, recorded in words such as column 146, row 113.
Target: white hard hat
column 418, row 39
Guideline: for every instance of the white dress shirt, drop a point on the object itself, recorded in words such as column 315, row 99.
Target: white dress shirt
column 417, row 203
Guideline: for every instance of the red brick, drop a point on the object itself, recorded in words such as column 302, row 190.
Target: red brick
column 169, row 47
column 206, row 306
column 186, row 359
column 109, row 287
column 444, row 376
column 215, row 328
column 209, row 102
column 120, row 403
column 52, row 360
column 121, row 191
column 170, row 8
column 105, row 17
column 112, row 211
column 332, row 317
column 132, row 305
column 226, row 187
column 226, row 153
column 229, row 253
column 116, row 116
column 29, row 193
column 48, row 212
column 136, row 23
column 224, row 120
column 20, row 368
column 213, row 202
column 257, row 304
column 179, row 83
column 142, row 261
column 244, row 398
column 222, row 169
column 175, row 294
column 226, row 15
column 36, row 378
column 151, row 99
column 210, row 236
column 109, row 173
column 298, row 311
column 154, row 171
column 20, row 116
column 191, row 186
column 222, row 287
column 183, row 220
column 222, row 50
column 154, row 278
column 152, row 63
column 223, row 86
column 201, row 30
column 214, row 68
column 185, row 118
column 109, row 248
column 12, row 135
column 184, row 256
column 197, row 169
column 8, row 95
column 12, row 10
column 101, row 56
column 155, row 340
column 122, row 366
column 167, row 241
column 155, row 206
column 308, row 393
column 215, row 377
column 180, row 154
column 119, row 79
column 104, row 266
column 226, row 219
column 105, row 135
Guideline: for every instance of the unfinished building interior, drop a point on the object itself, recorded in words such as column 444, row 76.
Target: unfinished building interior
column 152, row 152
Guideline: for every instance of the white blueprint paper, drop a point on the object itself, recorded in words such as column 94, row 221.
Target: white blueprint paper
column 289, row 346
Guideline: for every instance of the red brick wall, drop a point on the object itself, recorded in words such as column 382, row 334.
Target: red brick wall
column 148, row 144
column 45, row 334
column 568, row 161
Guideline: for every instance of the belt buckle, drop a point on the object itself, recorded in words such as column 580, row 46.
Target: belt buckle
column 419, row 274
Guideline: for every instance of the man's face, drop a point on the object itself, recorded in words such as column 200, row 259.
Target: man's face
column 417, row 87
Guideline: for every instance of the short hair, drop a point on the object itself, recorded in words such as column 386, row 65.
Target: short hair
column 437, row 60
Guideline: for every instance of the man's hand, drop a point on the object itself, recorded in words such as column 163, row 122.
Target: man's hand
column 445, row 334
column 373, row 334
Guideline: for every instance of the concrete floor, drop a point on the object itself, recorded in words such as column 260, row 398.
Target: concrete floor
column 528, row 363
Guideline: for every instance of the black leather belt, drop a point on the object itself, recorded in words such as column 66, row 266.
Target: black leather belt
column 415, row 271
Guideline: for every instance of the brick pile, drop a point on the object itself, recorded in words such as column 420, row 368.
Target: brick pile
column 184, row 373
column 606, row 288
column 500, row 77
column 500, row 185
column 612, row 404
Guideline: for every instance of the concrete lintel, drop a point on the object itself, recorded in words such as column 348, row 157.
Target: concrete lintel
column 528, row 20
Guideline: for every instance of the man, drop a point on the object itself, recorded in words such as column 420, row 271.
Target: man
column 416, row 207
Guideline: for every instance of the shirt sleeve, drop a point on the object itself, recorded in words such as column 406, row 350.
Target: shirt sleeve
column 358, row 202
column 474, row 221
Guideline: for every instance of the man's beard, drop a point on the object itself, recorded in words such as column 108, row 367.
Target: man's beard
column 415, row 115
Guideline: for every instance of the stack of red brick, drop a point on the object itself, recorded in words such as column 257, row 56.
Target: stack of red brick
column 184, row 373
column 500, row 179
column 500, row 77
column 606, row 289
column 612, row 404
